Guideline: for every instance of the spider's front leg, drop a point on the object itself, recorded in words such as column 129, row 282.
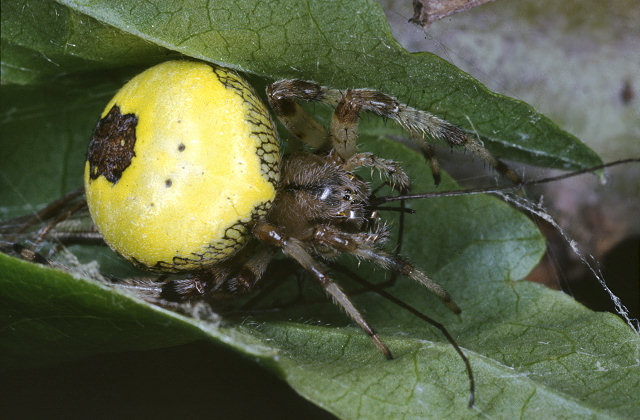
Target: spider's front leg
column 295, row 248
column 283, row 94
column 398, row 177
column 282, row 97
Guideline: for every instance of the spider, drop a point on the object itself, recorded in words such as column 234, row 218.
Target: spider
column 160, row 151
column 184, row 175
column 219, row 210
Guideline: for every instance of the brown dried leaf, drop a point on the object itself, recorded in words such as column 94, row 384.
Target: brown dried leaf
column 426, row 12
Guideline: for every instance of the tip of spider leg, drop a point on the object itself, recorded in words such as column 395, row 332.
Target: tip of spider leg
column 513, row 177
column 508, row 172
column 435, row 170
column 381, row 346
column 17, row 247
column 29, row 255
column 452, row 305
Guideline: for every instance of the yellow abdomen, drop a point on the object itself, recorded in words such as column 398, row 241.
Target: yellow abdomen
column 184, row 158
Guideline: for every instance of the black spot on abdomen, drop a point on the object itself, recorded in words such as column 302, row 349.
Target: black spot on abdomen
column 111, row 147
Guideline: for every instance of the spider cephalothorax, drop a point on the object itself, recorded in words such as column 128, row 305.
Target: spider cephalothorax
column 319, row 188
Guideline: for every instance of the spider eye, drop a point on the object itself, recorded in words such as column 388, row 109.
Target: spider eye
column 325, row 193
column 157, row 159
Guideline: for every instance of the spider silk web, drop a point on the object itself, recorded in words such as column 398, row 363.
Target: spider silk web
column 588, row 260
column 479, row 55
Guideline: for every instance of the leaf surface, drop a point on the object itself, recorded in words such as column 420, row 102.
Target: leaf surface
column 340, row 44
column 533, row 350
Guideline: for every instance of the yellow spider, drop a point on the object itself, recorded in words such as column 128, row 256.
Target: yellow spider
column 184, row 174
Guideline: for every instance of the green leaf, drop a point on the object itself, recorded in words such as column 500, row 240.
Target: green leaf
column 340, row 44
column 533, row 350
column 49, row 316
column 42, row 40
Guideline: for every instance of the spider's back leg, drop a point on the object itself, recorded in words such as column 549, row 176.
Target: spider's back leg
column 239, row 275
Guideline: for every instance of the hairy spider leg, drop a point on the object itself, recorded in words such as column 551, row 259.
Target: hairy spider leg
column 25, row 253
column 282, row 96
column 58, row 214
column 398, row 177
column 355, row 244
column 251, row 271
column 419, row 123
column 295, row 249
column 42, row 233
column 235, row 276
column 54, row 210
column 430, row 156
